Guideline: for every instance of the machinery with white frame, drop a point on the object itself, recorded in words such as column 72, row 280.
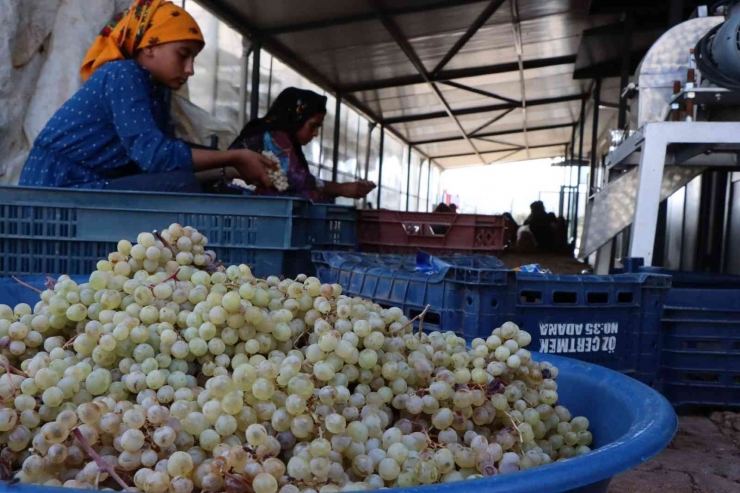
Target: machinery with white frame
column 688, row 121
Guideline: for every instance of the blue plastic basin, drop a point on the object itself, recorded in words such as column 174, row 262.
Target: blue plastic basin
column 630, row 423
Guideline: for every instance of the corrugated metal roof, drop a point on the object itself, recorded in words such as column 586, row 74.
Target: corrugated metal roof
column 499, row 71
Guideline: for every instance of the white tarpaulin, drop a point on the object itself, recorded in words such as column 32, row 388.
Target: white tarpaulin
column 42, row 45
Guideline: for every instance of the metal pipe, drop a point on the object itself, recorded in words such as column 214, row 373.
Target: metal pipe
column 408, row 180
column 594, row 139
column 255, row 99
column 580, row 158
column 380, row 164
column 337, row 124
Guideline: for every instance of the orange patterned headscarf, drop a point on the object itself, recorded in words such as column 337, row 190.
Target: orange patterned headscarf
column 145, row 23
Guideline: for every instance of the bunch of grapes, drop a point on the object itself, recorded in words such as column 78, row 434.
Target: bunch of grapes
column 276, row 173
column 167, row 372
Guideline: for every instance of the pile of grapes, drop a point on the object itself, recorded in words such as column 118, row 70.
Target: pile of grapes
column 167, row 372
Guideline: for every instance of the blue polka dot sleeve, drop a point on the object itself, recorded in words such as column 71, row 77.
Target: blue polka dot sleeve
column 128, row 94
column 116, row 125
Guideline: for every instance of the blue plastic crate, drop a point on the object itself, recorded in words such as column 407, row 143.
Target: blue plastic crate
column 700, row 338
column 700, row 360
column 333, row 227
column 62, row 231
column 469, row 294
column 613, row 321
column 12, row 293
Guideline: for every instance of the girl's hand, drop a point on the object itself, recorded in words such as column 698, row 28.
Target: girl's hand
column 252, row 167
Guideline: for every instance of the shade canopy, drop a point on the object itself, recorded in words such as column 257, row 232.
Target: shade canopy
column 466, row 82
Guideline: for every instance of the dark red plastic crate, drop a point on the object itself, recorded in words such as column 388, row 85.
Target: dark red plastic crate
column 383, row 231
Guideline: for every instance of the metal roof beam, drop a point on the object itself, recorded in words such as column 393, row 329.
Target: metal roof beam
column 453, row 74
column 493, row 134
column 491, row 121
column 477, row 24
column 481, row 109
column 403, row 43
column 475, row 90
column 541, row 146
column 367, row 16
column 242, row 25
column 519, row 54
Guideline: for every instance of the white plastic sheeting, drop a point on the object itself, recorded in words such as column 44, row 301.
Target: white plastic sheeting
column 42, row 45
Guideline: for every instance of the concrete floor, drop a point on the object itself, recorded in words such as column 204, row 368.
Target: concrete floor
column 704, row 457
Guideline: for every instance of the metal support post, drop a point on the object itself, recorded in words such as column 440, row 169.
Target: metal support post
column 418, row 188
column 370, row 127
column 595, row 139
column 429, row 182
column 624, row 77
column 380, row 164
column 570, row 174
column 243, row 81
column 650, row 179
column 337, row 125
column 578, row 179
column 408, row 181
column 255, row 100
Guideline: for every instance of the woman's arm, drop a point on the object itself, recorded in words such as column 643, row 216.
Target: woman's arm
column 155, row 152
column 352, row 190
column 250, row 166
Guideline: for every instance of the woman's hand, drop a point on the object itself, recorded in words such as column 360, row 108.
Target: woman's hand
column 357, row 189
column 252, row 166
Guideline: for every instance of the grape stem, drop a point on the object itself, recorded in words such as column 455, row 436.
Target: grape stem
column 70, row 342
column 171, row 277
column 419, row 317
column 50, row 282
column 99, row 461
column 513, row 421
column 26, row 285
column 166, row 243
column 11, row 369
column 8, row 370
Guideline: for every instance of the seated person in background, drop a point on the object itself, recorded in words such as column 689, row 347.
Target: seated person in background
column 525, row 242
column 561, row 236
column 453, row 208
column 541, row 227
column 115, row 132
column 512, row 230
column 293, row 120
column 441, row 229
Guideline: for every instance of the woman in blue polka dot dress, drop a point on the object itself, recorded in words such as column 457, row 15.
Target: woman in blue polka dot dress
column 115, row 132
